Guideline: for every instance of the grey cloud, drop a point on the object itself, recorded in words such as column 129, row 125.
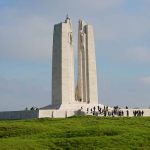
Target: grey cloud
column 133, row 55
column 18, row 94
column 124, row 92
column 138, row 54
column 145, row 80
column 27, row 38
column 122, row 26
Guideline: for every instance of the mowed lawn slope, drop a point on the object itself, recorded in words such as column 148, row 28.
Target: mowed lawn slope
column 78, row 133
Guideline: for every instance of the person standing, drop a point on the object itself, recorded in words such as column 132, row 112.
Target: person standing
column 142, row 113
column 127, row 113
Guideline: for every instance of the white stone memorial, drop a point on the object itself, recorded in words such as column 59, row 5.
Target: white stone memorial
column 64, row 94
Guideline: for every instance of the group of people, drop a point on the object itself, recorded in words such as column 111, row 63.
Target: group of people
column 32, row 108
column 116, row 111
column 98, row 110
column 105, row 111
column 138, row 113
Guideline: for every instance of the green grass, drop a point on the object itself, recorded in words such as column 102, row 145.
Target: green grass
column 80, row 133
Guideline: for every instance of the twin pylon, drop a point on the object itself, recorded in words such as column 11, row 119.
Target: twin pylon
column 63, row 89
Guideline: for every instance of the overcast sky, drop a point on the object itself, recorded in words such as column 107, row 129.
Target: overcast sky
column 122, row 41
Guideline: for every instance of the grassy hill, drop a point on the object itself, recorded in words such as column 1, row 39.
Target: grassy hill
column 78, row 133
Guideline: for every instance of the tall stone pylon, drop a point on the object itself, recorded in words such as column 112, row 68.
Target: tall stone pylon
column 63, row 64
column 86, row 90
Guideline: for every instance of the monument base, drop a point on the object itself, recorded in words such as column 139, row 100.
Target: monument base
column 62, row 111
column 73, row 106
column 67, row 110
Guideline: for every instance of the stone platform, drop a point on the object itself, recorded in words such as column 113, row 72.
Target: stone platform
column 62, row 111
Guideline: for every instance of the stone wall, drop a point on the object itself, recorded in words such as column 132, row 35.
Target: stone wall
column 19, row 114
column 53, row 113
